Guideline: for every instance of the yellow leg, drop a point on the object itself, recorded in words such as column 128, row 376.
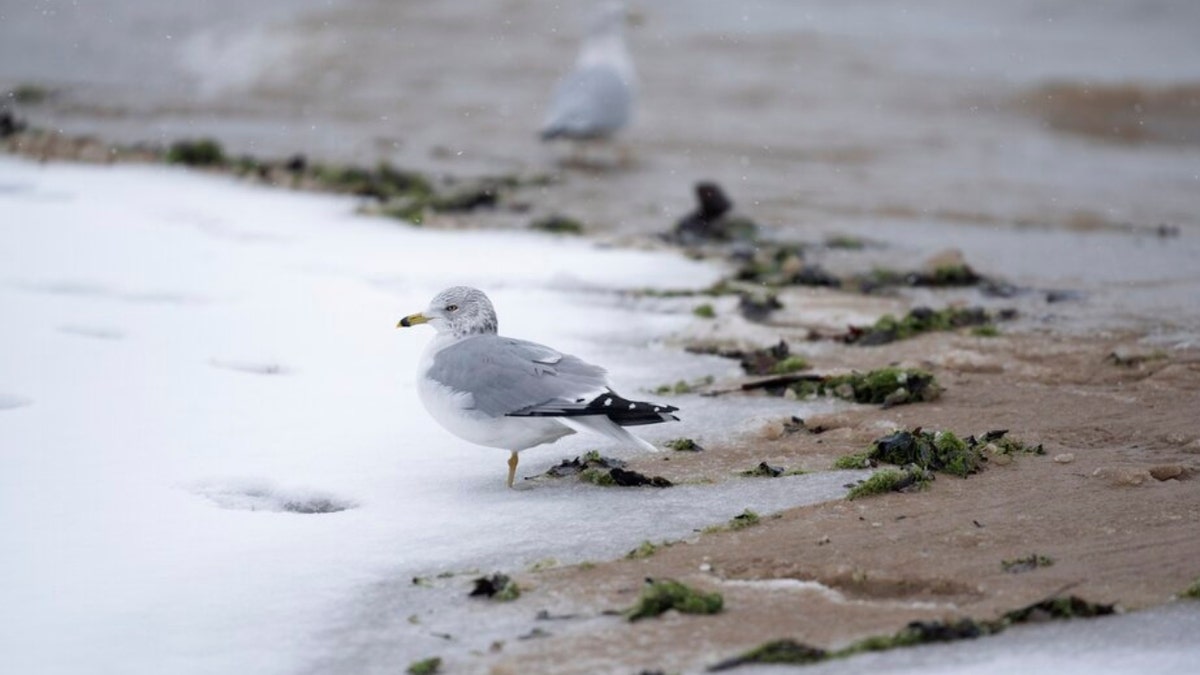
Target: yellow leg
column 512, row 468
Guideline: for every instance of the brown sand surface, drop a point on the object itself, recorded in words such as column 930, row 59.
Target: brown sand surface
column 1120, row 519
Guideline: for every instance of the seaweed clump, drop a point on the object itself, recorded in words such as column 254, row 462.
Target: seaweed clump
column 428, row 666
column 683, row 445
column 921, row 453
column 498, row 587
column 940, row 451
column 660, row 596
column 604, row 471
column 646, row 549
column 1192, row 592
column 783, row 265
column 557, row 224
column 885, row 386
column 922, row 320
column 711, row 221
column 747, row 518
column 683, row 386
column 1026, row 564
column 918, row 633
column 776, row 652
column 910, row 479
column 774, row 360
column 201, row 152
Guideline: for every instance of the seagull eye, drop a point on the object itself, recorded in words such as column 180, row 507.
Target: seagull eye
column 451, row 308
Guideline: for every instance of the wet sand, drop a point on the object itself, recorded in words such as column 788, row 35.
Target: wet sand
column 833, row 573
column 903, row 135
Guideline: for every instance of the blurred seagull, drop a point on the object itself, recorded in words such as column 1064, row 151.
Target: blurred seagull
column 512, row 394
column 595, row 100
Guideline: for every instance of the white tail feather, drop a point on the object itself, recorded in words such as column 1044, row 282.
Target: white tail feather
column 599, row 424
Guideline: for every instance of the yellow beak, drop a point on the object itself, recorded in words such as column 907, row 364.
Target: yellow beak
column 412, row 320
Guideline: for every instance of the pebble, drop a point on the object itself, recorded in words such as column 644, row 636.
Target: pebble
column 1122, row 476
column 1166, row 471
column 1065, row 458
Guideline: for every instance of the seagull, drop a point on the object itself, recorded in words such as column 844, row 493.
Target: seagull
column 595, row 100
column 513, row 394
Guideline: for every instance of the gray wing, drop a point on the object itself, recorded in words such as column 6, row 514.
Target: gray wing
column 504, row 375
column 590, row 102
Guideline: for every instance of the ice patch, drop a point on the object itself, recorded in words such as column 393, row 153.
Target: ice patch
column 262, row 495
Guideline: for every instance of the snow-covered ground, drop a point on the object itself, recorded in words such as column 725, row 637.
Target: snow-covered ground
column 188, row 365
column 186, row 362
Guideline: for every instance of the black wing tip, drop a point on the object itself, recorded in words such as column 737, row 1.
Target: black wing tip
column 610, row 404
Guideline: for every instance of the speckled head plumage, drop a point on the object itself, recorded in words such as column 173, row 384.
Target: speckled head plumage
column 459, row 311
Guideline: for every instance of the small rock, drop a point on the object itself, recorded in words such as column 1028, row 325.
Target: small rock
column 772, row 430
column 897, row 397
column 1065, row 458
column 1119, row 476
column 950, row 257
column 1166, row 471
column 1000, row 459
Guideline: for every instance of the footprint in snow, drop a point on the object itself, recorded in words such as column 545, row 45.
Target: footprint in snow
column 252, row 367
column 11, row 401
column 94, row 332
column 86, row 289
column 262, row 495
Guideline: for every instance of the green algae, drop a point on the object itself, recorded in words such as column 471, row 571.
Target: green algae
column 944, row 276
column 1068, row 607
column 497, row 587
column 30, row 94
column 595, row 476
column 660, row 596
column 858, row 460
column 845, row 242
column 646, row 549
column 886, row 386
column 919, row 320
column 747, row 518
column 683, row 445
column 683, row 386
column 428, row 666
column 940, row 451
column 775, row 652
column 1026, row 563
column 987, row 330
column 763, row 470
column 705, row 311
column 787, row 651
column 789, row 364
column 557, row 224
column 1192, row 592
column 910, row 479
column 200, row 152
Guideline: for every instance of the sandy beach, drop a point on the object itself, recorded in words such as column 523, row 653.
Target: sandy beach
column 1052, row 150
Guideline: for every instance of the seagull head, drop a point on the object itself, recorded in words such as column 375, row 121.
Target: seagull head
column 459, row 311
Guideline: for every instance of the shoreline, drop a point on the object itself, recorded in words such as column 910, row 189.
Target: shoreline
column 1044, row 387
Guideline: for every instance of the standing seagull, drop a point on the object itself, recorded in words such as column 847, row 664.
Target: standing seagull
column 513, row 394
column 595, row 100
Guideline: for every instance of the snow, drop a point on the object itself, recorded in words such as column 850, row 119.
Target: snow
column 212, row 458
